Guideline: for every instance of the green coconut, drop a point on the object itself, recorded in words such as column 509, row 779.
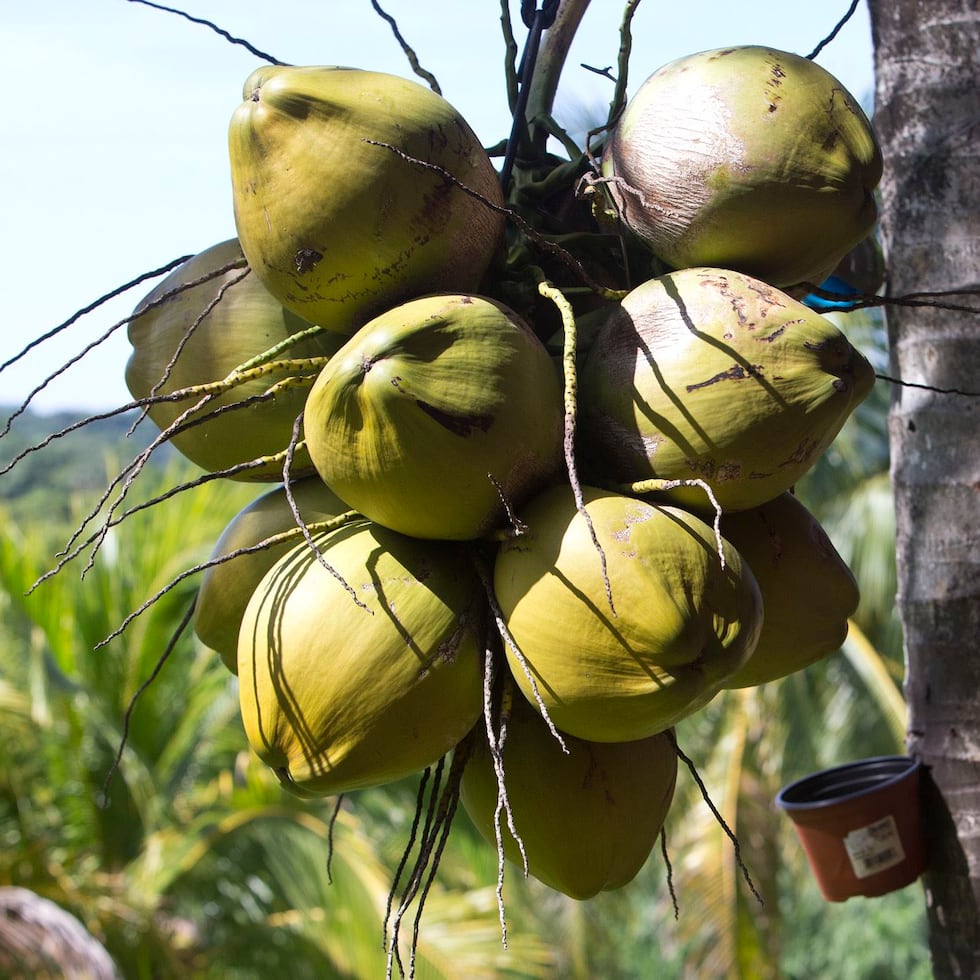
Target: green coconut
column 226, row 588
column 710, row 374
column 745, row 158
column 438, row 416
column 808, row 590
column 340, row 228
column 678, row 626
column 199, row 336
column 588, row 819
column 365, row 671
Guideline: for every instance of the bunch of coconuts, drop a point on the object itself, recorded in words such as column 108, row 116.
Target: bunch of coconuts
column 614, row 534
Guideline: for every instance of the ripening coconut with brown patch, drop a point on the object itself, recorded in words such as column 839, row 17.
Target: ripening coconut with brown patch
column 712, row 375
column 335, row 207
column 746, row 158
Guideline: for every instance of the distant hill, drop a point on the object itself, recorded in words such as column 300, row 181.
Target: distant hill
column 76, row 462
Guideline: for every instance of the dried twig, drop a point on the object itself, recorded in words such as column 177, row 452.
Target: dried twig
column 214, row 27
column 717, row 815
column 413, row 59
column 94, row 305
column 164, row 657
column 835, row 31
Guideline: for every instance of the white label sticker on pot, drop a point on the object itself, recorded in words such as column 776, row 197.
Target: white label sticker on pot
column 875, row 847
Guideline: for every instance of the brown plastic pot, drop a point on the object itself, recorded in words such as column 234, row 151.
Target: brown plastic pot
column 860, row 825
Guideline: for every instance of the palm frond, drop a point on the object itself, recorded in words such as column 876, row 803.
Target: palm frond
column 878, row 681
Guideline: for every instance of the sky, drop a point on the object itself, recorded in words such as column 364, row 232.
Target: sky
column 113, row 147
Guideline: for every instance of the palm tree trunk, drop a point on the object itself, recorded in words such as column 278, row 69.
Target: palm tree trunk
column 928, row 119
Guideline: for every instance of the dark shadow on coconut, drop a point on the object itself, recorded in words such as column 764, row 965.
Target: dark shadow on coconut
column 709, row 546
column 622, row 438
column 602, row 614
column 659, row 421
column 405, row 551
column 631, row 447
column 285, row 579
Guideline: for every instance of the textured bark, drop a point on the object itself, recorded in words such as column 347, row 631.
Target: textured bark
column 928, row 118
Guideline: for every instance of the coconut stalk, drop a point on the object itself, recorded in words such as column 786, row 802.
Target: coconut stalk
column 554, row 49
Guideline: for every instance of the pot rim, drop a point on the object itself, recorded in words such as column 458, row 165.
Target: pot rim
column 906, row 766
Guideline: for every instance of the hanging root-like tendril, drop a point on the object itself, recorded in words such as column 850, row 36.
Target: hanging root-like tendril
column 303, row 373
column 662, row 486
column 281, row 538
column 69, row 553
column 439, row 814
column 331, row 826
column 486, row 578
column 125, row 480
column 670, row 873
column 835, row 31
column 216, row 387
column 66, row 431
column 516, row 527
column 187, row 419
column 301, row 529
column 408, row 50
column 94, row 305
column 303, row 370
column 214, row 27
column 188, row 334
column 448, row 806
column 570, row 378
column 421, row 810
column 496, row 740
column 164, row 657
column 932, row 299
column 933, row 388
column 717, row 815
column 308, row 537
